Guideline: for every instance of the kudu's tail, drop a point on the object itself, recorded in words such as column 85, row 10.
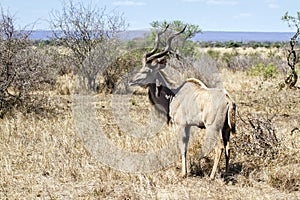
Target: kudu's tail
column 231, row 114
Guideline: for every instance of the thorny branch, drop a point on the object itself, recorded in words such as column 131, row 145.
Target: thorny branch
column 291, row 80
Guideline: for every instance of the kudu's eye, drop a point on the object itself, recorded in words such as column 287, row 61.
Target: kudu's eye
column 147, row 70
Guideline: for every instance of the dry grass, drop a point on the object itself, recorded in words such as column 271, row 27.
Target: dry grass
column 43, row 157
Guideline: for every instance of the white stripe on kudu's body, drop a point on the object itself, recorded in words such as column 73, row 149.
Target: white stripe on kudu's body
column 191, row 104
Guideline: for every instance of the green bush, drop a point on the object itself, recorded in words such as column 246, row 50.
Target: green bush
column 267, row 71
column 227, row 57
column 214, row 54
column 234, row 44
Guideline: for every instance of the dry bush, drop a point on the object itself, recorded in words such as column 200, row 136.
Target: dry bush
column 203, row 68
column 37, row 70
column 257, row 144
column 35, row 77
column 240, row 62
column 120, row 67
column 65, row 84
column 86, row 30
column 24, row 68
column 285, row 177
column 11, row 43
column 245, row 62
column 284, row 172
column 244, row 58
column 266, row 145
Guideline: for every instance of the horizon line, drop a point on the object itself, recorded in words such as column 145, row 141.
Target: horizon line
column 241, row 31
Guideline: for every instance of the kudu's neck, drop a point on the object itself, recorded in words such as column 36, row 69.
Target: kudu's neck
column 164, row 80
column 161, row 93
column 161, row 96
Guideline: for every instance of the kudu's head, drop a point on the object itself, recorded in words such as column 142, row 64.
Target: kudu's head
column 154, row 62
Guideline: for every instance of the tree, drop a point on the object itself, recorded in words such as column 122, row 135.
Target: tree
column 12, row 42
column 184, row 44
column 81, row 29
column 293, row 22
column 22, row 67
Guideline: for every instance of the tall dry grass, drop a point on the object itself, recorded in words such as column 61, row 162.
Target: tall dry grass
column 42, row 157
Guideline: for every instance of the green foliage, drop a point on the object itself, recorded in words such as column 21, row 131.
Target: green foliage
column 267, row 71
column 234, row 44
column 177, row 25
column 184, row 45
column 227, row 57
column 214, row 54
column 292, row 20
column 189, row 49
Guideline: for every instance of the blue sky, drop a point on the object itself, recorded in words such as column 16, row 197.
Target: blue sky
column 216, row 15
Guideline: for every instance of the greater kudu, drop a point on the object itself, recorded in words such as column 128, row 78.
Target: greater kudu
column 191, row 104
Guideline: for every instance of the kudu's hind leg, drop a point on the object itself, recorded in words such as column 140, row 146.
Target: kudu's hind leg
column 226, row 136
column 227, row 157
column 184, row 135
column 213, row 140
column 218, row 150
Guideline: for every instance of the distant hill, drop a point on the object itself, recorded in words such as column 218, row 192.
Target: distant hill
column 48, row 35
column 225, row 36
column 206, row 36
column 129, row 35
column 41, row 35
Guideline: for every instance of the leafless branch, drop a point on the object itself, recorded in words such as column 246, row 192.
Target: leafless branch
column 291, row 80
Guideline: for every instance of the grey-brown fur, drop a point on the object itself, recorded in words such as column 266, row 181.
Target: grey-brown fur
column 196, row 105
column 191, row 104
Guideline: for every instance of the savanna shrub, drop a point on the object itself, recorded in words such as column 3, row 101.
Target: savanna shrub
column 120, row 67
column 266, row 71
